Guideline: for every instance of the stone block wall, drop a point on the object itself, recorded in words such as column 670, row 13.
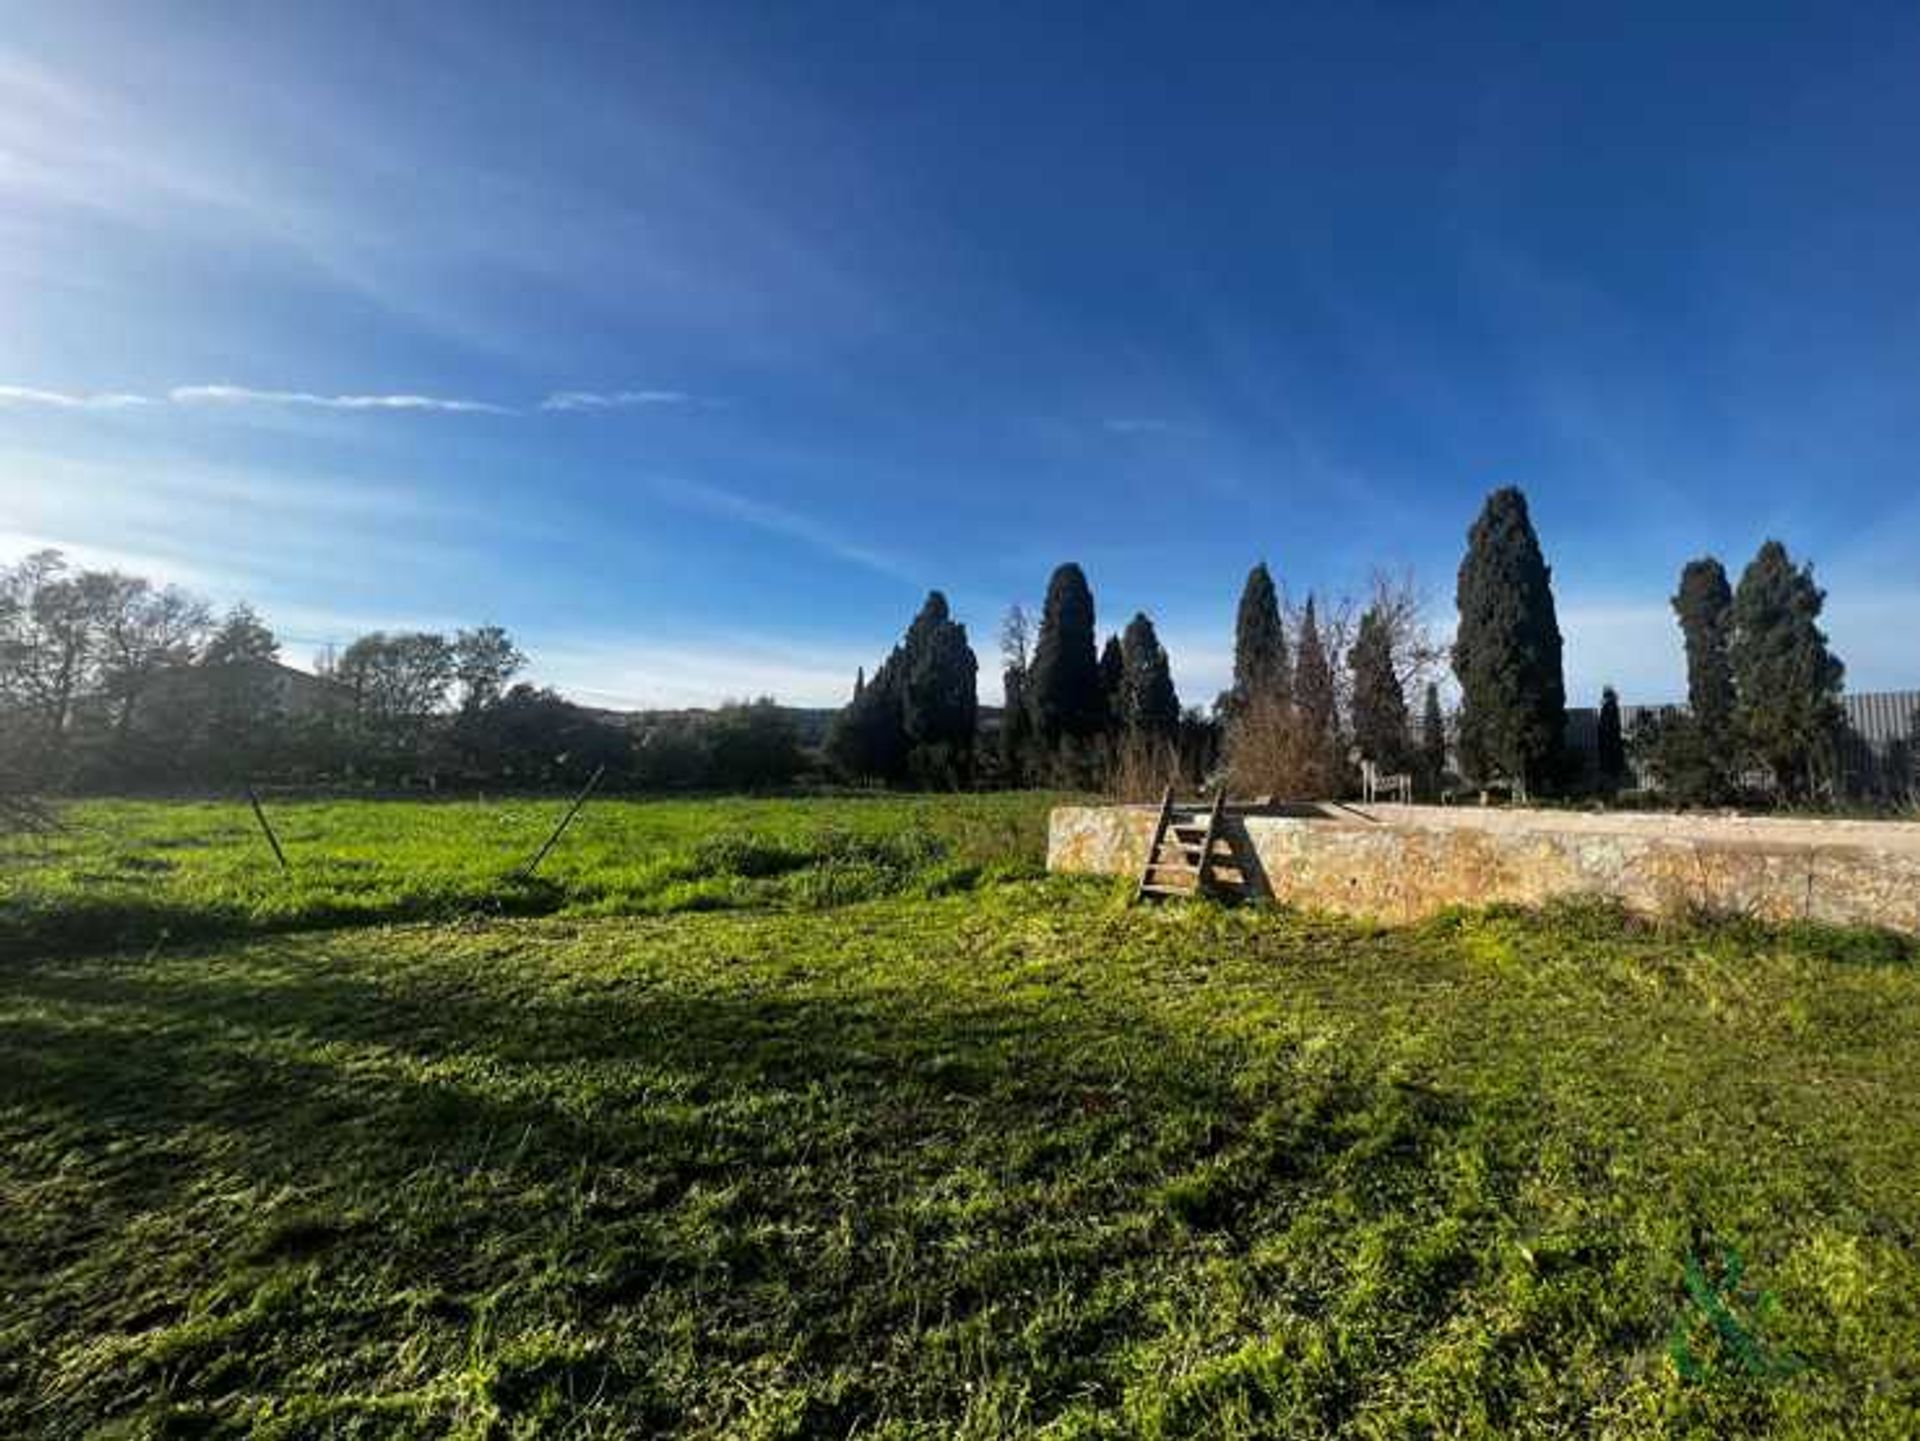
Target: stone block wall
column 1399, row 863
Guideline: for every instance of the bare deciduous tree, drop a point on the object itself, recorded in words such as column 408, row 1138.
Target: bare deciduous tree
column 484, row 660
column 48, row 651
column 399, row 684
column 1016, row 638
column 1269, row 751
column 1402, row 609
column 143, row 632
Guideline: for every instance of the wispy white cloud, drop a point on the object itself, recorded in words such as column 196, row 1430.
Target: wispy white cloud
column 247, row 395
column 778, row 520
column 614, row 399
column 23, row 396
column 26, row 395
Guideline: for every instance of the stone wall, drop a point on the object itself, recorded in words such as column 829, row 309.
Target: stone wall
column 1394, row 862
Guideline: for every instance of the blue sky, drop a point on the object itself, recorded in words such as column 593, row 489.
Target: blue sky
column 694, row 343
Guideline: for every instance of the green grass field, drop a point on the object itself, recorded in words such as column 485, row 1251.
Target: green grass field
column 130, row 873
column 905, row 1140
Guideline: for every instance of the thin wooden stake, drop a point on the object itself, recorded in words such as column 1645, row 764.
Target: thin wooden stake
column 573, row 810
column 266, row 826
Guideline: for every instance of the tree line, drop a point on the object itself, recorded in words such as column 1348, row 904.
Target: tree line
column 1319, row 689
column 1762, row 717
column 107, row 680
column 1080, row 712
column 1073, row 712
column 1763, row 687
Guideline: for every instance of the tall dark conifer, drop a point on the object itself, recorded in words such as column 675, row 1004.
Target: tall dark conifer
column 1063, row 684
column 918, row 716
column 1016, row 728
column 1315, row 704
column 1113, row 681
column 1379, row 704
column 1433, row 737
column 1507, row 651
column 939, row 697
column 884, row 732
column 1610, row 745
column 1786, row 681
column 1261, row 671
column 1704, row 604
column 867, row 740
column 1149, row 706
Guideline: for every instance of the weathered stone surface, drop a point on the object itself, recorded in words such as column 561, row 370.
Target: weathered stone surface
column 1395, row 862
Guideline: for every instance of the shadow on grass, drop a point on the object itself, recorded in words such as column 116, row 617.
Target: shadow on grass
column 89, row 924
column 879, row 1194
column 135, row 902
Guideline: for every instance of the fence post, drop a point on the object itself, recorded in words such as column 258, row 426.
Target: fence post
column 526, row 872
column 272, row 840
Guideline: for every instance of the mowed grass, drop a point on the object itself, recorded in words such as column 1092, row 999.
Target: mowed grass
column 1008, row 1158
column 834, row 1117
column 132, row 873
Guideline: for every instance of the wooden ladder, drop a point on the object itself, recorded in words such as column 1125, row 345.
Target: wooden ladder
column 1180, row 855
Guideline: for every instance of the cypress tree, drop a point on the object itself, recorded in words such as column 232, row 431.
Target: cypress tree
column 867, row 740
column 1315, row 704
column 939, row 702
column 1016, row 721
column 1786, row 681
column 1149, row 706
column 1016, row 732
column 1113, row 683
column 1260, row 667
column 1704, row 605
column 886, row 731
column 1379, row 702
column 1507, row 651
column 1063, row 684
column 1433, row 736
column 1610, row 746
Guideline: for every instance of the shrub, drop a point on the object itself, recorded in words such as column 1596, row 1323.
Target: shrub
column 736, row 853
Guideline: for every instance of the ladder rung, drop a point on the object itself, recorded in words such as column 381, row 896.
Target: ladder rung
column 1184, row 850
